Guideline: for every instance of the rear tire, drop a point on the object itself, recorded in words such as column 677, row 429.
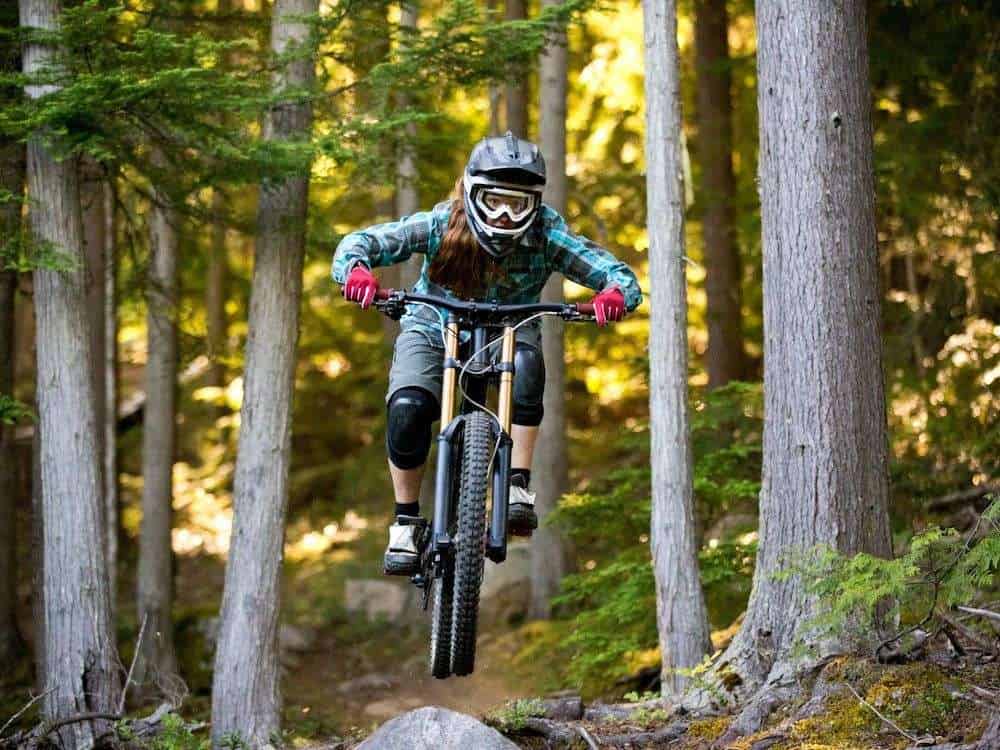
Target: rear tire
column 470, row 541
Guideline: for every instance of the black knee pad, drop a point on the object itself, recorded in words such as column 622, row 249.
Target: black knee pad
column 529, row 385
column 410, row 413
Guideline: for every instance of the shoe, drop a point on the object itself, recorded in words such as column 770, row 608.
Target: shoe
column 406, row 540
column 521, row 518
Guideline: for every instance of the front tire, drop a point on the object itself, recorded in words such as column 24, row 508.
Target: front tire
column 470, row 542
column 441, row 621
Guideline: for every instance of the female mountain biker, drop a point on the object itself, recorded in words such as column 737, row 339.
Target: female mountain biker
column 493, row 241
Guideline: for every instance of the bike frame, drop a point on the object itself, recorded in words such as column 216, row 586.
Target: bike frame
column 480, row 318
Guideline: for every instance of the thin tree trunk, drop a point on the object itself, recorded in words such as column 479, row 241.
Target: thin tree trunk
column 407, row 176
column 12, row 166
column 680, row 606
column 110, row 416
column 80, row 659
column 551, row 465
column 825, row 446
column 725, row 357
column 156, row 667
column 215, row 291
column 216, row 282
column 493, row 91
column 246, row 696
column 37, row 559
column 517, row 93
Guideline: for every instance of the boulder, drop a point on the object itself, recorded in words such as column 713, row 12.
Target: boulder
column 433, row 728
column 387, row 600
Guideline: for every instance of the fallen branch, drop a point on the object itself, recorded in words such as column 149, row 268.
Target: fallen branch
column 668, row 733
column 970, row 635
column 550, row 730
column 988, row 614
column 591, row 743
column 964, row 496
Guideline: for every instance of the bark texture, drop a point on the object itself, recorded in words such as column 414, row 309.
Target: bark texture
column 12, row 166
column 246, row 695
column 156, row 666
column 215, row 291
column 825, row 470
column 516, row 94
column 110, row 403
column 80, row 660
column 407, row 176
column 725, row 358
column 550, row 475
column 680, row 605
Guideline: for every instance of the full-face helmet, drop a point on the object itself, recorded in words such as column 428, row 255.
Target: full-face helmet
column 502, row 192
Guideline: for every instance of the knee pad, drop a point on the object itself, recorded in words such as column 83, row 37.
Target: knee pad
column 529, row 386
column 410, row 413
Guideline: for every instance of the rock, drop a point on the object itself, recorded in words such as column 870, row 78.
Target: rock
column 433, row 728
column 368, row 683
column 388, row 600
column 569, row 708
column 506, row 589
column 292, row 638
column 731, row 525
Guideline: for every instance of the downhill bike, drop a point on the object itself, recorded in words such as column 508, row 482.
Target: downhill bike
column 474, row 447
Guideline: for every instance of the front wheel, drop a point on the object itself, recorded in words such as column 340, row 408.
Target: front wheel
column 470, row 541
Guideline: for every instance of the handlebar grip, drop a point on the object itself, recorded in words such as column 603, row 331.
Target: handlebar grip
column 383, row 294
column 585, row 308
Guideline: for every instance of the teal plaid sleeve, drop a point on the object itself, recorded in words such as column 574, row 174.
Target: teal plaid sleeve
column 385, row 244
column 585, row 262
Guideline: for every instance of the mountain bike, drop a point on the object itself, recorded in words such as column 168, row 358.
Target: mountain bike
column 474, row 455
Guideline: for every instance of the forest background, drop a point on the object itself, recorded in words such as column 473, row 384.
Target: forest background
column 164, row 107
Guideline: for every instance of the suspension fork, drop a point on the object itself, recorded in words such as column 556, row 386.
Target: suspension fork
column 496, row 544
column 443, row 479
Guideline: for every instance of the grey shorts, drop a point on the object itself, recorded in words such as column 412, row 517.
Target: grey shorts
column 418, row 356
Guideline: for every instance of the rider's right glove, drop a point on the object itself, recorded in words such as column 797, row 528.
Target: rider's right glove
column 360, row 286
column 609, row 305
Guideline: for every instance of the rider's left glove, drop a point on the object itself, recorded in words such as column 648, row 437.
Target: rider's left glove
column 360, row 286
column 609, row 305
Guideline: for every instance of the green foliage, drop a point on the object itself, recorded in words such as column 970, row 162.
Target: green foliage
column 13, row 411
column 941, row 569
column 612, row 601
column 514, row 715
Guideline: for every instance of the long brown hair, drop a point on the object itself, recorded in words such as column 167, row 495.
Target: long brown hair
column 460, row 265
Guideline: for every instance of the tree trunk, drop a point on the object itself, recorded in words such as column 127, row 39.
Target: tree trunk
column 825, row 446
column 12, row 165
column 215, row 291
column 680, row 606
column 80, row 659
column 156, row 666
column 551, row 465
column 246, row 695
column 37, row 559
column 110, row 402
column 407, row 176
column 218, row 266
column 725, row 357
column 517, row 93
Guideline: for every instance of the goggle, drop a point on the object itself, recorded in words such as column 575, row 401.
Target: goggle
column 494, row 202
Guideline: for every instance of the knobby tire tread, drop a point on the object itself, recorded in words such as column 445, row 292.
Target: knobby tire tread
column 470, row 544
column 441, row 622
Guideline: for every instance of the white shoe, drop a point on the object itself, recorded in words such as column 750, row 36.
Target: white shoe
column 521, row 518
column 402, row 555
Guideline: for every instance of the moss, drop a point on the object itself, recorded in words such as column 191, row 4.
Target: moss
column 709, row 729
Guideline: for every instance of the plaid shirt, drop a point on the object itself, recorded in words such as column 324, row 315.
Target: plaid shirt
column 546, row 247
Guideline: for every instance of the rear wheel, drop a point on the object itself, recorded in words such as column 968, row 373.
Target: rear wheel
column 470, row 541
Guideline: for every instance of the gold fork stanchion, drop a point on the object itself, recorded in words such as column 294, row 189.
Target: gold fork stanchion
column 448, row 380
column 506, row 378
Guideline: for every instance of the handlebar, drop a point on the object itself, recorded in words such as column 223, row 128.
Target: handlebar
column 490, row 310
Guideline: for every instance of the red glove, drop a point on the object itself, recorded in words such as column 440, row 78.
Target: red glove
column 609, row 305
column 360, row 286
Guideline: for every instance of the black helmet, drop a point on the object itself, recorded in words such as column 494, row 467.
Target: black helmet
column 505, row 175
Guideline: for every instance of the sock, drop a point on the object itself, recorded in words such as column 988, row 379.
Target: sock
column 520, row 478
column 408, row 509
